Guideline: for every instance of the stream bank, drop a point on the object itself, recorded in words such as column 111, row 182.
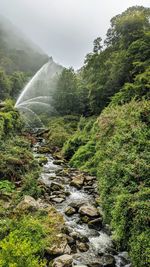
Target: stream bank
column 74, row 195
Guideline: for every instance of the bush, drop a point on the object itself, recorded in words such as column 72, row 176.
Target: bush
column 117, row 151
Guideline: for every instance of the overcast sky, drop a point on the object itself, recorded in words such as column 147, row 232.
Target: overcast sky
column 65, row 29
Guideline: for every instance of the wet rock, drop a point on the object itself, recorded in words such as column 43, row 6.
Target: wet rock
column 67, row 193
column 59, row 249
column 77, row 204
column 104, row 261
column 70, row 240
column 88, row 210
column 70, row 211
column 90, row 178
column 108, row 261
column 77, row 181
column 95, row 224
column 43, row 149
column 56, row 186
column 75, row 235
column 42, row 160
column 83, row 247
column 58, row 161
column 84, row 219
column 63, row 261
column 58, row 199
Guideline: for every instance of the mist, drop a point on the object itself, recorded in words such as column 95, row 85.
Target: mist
column 64, row 29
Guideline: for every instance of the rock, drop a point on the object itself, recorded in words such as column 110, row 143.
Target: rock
column 70, row 211
column 83, row 247
column 84, row 219
column 104, row 261
column 108, row 261
column 59, row 249
column 56, row 186
column 42, row 160
column 75, row 235
column 70, row 240
column 58, row 199
column 95, row 224
column 77, row 181
column 84, row 239
column 77, row 204
column 44, row 149
column 63, row 261
column 28, row 203
column 90, row 178
column 88, row 210
column 58, row 161
column 67, row 193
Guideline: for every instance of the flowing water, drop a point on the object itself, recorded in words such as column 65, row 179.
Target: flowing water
column 99, row 241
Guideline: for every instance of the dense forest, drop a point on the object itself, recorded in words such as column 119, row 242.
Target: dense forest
column 102, row 129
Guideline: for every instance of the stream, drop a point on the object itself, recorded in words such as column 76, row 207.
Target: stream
column 88, row 238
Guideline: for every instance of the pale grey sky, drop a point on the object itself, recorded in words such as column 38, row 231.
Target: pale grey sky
column 65, row 29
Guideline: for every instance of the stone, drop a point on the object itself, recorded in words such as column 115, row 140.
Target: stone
column 90, row 178
column 70, row 211
column 77, row 181
column 42, row 161
column 57, row 250
column 63, row 261
column 77, row 204
column 104, row 261
column 88, row 210
column 56, row 186
column 108, row 261
column 83, row 247
column 58, row 199
column 28, row 203
column 95, row 224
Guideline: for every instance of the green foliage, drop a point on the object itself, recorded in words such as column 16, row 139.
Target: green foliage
column 5, row 85
column 140, row 88
column 80, row 138
column 18, row 80
column 65, row 95
column 117, row 151
column 27, row 237
column 60, row 130
column 6, row 187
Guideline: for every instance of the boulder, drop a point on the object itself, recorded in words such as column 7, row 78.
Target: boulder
column 56, row 186
column 108, row 261
column 83, row 247
column 95, row 224
column 57, row 250
column 88, row 210
column 28, row 203
column 104, row 261
column 70, row 211
column 58, row 199
column 77, row 181
column 63, row 261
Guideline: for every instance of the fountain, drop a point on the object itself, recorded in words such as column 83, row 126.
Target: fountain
column 35, row 99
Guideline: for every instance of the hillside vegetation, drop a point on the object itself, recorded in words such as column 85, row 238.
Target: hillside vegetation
column 102, row 127
column 115, row 83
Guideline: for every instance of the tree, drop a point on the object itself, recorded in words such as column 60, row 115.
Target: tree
column 65, row 98
column 5, row 85
column 18, row 80
column 97, row 45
